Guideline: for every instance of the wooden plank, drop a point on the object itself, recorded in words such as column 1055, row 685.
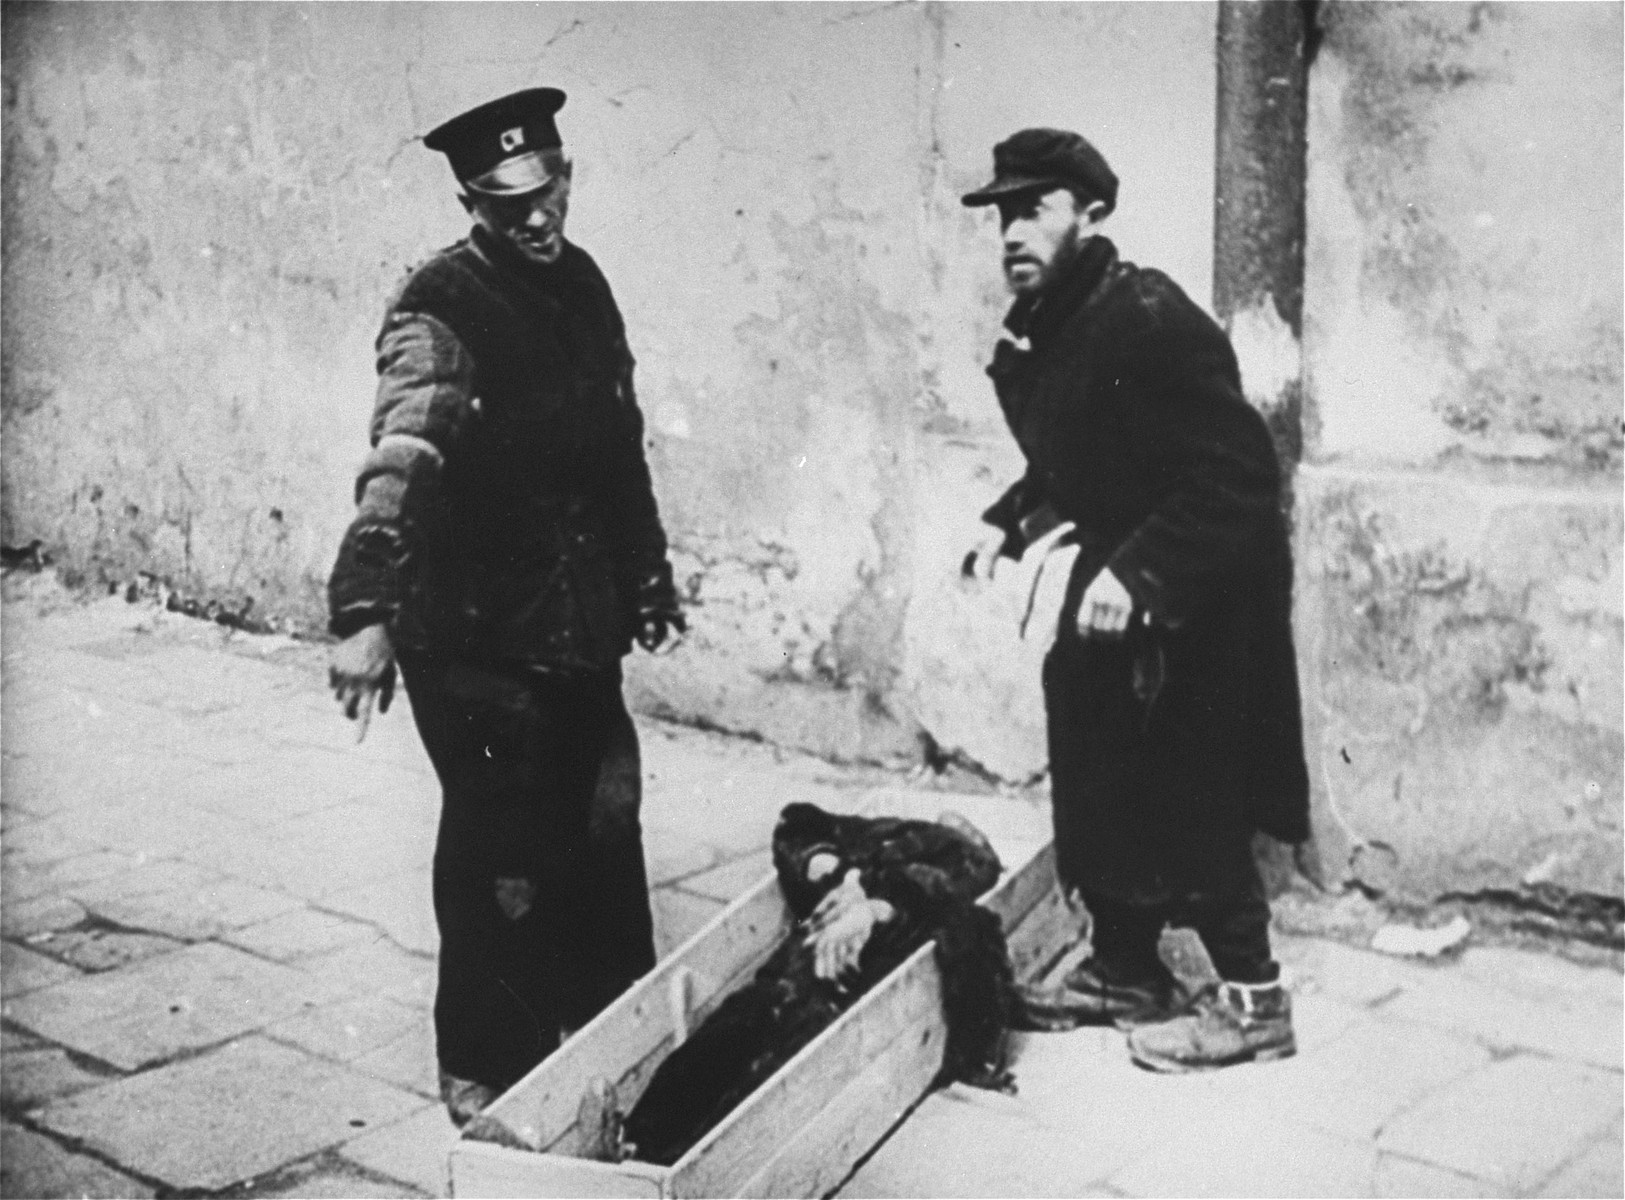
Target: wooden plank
column 483, row 1169
column 541, row 1108
column 909, row 999
column 906, row 1005
column 825, row 1149
column 802, row 1131
column 1044, row 935
column 1023, row 887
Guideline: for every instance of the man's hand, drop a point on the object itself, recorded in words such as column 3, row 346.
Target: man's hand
column 1105, row 608
column 841, row 925
column 360, row 670
column 983, row 560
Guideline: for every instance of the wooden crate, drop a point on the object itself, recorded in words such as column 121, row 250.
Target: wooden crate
column 803, row 1130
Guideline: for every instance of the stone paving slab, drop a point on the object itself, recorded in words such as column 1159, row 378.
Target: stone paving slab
column 1354, row 1084
column 414, row 1150
column 154, row 1010
column 54, row 727
column 1402, row 1177
column 1003, row 818
column 33, row 1165
column 1539, row 975
column 408, row 1061
column 671, row 858
column 1514, row 1123
column 243, row 1110
column 36, row 844
column 1083, row 1086
column 320, row 1184
column 23, row 971
column 731, row 878
column 147, row 877
column 1318, row 1020
column 355, row 832
column 196, row 913
column 1555, row 1022
column 1599, row 1171
column 150, row 829
column 28, row 875
column 299, row 934
column 97, row 948
column 1226, row 1151
column 1355, row 976
column 959, row 1143
column 678, row 916
column 400, row 904
column 374, row 967
column 294, row 782
column 28, row 919
column 53, row 781
column 42, row 1072
column 347, row 1029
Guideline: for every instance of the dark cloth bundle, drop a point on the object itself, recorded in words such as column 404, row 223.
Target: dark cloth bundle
column 931, row 874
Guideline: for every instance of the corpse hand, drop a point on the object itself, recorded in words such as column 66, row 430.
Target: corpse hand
column 841, row 926
column 361, row 669
column 1105, row 608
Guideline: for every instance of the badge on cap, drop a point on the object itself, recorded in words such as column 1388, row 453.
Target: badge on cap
column 502, row 147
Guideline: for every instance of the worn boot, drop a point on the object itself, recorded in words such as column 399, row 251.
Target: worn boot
column 1101, row 992
column 1234, row 1023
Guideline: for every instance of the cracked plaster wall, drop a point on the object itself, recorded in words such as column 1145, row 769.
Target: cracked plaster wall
column 206, row 205
column 1459, row 528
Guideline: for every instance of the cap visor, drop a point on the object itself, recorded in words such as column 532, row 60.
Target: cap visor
column 1009, row 185
column 518, row 175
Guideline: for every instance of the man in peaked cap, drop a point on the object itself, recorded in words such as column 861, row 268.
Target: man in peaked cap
column 506, row 551
column 1171, row 688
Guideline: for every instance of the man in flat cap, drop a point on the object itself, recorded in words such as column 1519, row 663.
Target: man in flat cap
column 1171, row 688
column 506, row 551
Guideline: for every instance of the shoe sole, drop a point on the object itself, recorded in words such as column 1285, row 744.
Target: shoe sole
column 1169, row 1066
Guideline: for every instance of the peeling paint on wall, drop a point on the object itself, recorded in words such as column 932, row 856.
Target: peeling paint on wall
column 1465, row 243
column 1458, row 714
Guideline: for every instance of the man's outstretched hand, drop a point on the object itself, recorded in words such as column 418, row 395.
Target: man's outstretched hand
column 360, row 671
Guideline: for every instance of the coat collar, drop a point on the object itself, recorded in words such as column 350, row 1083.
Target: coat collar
column 499, row 254
column 1037, row 317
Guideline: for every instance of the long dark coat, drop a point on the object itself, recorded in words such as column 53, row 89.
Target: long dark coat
column 1170, row 746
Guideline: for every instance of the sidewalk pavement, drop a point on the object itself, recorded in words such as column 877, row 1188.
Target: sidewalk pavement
column 219, row 960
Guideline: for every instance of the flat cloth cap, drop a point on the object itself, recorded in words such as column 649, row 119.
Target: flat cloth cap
column 500, row 147
column 1046, row 158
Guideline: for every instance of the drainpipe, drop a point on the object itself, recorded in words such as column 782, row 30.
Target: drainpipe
column 1264, row 48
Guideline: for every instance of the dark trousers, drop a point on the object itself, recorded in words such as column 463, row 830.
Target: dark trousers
column 1235, row 930
column 540, row 889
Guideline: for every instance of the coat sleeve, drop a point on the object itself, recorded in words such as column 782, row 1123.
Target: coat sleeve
column 639, row 538
column 1209, row 458
column 425, row 399
column 1024, row 513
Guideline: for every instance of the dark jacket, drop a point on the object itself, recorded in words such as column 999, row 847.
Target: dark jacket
column 506, row 512
column 1171, row 745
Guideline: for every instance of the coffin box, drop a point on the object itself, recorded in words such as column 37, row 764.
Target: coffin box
column 802, row 1132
